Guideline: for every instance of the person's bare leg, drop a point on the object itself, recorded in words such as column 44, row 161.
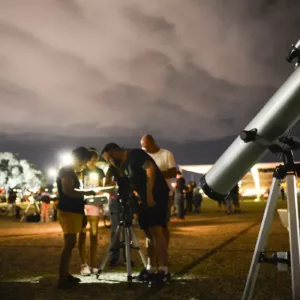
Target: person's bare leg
column 65, row 257
column 151, row 251
column 94, row 239
column 82, row 247
column 161, row 245
column 166, row 233
column 166, row 230
column 43, row 219
column 47, row 212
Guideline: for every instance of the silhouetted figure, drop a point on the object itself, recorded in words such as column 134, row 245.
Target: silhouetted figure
column 189, row 198
column 235, row 193
column 197, row 199
column 179, row 195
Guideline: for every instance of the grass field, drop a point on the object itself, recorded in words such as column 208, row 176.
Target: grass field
column 210, row 255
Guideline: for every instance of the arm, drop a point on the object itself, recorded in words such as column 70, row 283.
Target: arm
column 101, row 177
column 171, row 172
column 108, row 180
column 68, row 188
column 150, row 172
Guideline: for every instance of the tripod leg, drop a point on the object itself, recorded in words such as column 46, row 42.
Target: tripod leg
column 262, row 239
column 25, row 212
column 136, row 242
column 293, row 218
column 37, row 208
column 111, row 246
column 128, row 254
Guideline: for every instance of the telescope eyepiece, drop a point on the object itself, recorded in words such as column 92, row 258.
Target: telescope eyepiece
column 248, row 135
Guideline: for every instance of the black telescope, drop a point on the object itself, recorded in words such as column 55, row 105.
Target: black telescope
column 280, row 113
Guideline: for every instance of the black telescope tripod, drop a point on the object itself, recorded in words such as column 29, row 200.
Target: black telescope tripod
column 289, row 170
column 129, row 240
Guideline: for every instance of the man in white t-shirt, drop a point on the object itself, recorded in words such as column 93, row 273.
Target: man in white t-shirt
column 165, row 161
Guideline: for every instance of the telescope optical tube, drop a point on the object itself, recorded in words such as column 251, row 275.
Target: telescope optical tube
column 275, row 118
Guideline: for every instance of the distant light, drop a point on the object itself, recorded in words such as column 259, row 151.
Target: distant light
column 52, row 172
column 65, row 159
column 252, row 192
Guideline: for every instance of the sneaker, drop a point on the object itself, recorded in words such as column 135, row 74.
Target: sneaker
column 85, row 270
column 161, row 278
column 144, row 276
column 94, row 271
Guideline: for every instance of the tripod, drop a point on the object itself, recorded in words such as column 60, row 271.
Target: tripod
column 129, row 241
column 289, row 171
column 37, row 210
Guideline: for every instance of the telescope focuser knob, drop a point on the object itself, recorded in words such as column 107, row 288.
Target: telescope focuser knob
column 248, row 135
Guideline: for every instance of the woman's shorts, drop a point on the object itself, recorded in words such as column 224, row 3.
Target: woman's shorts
column 71, row 223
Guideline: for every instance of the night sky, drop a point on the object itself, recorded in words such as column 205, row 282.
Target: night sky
column 191, row 72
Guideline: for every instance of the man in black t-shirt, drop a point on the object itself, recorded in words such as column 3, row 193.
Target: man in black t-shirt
column 148, row 181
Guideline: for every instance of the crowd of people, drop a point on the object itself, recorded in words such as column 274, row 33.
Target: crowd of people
column 19, row 204
column 150, row 171
column 161, row 192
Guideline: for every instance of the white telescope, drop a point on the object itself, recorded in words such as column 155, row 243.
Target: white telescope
column 275, row 118
column 264, row 133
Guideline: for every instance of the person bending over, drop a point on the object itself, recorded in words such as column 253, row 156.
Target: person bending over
column 148, row 181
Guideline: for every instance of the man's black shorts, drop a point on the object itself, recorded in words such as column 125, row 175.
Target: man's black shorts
column 156, row 215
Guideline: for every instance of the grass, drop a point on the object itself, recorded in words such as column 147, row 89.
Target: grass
column 210, row 255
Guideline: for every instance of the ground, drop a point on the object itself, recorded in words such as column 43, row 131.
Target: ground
column 210, row 255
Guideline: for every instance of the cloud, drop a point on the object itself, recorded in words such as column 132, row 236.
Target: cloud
column 183, row 70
